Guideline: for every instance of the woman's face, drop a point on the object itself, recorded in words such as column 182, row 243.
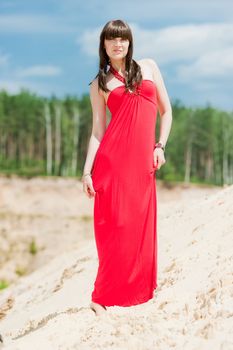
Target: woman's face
column 116, row 48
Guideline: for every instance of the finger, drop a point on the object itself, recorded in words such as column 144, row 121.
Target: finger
column 92, row 189
column 156, row 161
column 85, row 188
column 161, row 161
column 87, row 191
column 159, row 164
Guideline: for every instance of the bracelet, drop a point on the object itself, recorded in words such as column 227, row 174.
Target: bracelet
column 160, row 145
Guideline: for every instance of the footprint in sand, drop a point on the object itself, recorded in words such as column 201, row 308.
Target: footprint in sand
column 6, row 306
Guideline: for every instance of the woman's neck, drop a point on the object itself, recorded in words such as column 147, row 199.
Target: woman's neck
column 118, row 65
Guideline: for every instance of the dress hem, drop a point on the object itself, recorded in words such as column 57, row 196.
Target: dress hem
column 138, row 302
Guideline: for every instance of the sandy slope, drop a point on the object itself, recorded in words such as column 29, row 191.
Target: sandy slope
column 191, row 309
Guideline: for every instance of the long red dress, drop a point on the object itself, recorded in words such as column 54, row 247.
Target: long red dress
column 125, row 210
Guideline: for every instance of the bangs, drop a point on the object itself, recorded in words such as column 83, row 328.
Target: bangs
column 117, row 30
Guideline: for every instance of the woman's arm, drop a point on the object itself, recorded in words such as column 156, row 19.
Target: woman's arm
column 98, row 124
column 165, row 112
column 164, row 105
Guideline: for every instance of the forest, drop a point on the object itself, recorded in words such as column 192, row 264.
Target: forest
column 49, row 136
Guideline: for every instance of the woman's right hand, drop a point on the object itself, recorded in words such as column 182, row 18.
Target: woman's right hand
column 88, row 186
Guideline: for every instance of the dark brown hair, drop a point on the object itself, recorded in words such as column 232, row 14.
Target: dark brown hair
column 133, row 75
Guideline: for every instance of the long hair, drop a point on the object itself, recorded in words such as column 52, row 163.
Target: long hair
column 133, row 74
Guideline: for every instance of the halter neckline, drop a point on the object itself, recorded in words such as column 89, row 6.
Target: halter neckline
column 116, row 74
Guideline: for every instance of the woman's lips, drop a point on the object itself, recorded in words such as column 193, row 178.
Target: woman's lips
column 117, row 51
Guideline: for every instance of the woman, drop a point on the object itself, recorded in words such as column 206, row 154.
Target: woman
column 120, row 166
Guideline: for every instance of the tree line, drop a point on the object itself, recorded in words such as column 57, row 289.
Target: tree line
column 49, row 136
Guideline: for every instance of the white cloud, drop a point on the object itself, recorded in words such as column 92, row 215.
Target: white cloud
column 89, row 41
column 14, row 86
column 184, row 42
column 212, row 65
column 39, row 71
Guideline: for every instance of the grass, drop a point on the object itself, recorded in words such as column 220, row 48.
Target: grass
column 3, row 284
column 33, row 247
column 85, row 217
column 20, row 271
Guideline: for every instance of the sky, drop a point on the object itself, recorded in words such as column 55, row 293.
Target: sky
column 51, row 46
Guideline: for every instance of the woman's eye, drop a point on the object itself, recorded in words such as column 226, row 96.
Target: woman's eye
column 121, row 40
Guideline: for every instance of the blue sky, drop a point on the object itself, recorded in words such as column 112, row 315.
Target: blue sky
column 51, row 47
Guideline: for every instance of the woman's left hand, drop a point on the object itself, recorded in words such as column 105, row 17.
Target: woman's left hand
column 159, row 158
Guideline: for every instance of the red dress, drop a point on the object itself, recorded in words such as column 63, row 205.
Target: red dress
column 125, row 209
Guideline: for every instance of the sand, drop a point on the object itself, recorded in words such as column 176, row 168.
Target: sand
column 48, row 307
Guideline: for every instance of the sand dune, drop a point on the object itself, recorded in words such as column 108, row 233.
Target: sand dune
column 191, row 309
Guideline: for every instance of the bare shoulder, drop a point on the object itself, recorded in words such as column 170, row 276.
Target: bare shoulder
column 148, row 63
column 145, row 61
column 150, row 69
column 94, row 88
